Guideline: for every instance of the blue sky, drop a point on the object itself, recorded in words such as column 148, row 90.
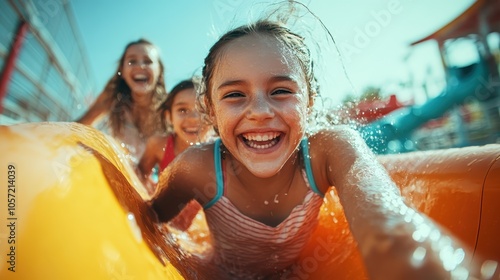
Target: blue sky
column 373, row 36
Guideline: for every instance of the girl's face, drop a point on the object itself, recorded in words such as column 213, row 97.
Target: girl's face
column 141, row 70
column 185, row 119
column 260, row 102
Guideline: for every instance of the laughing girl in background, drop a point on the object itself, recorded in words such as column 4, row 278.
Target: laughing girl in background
column 184, row 127
column 131, row 98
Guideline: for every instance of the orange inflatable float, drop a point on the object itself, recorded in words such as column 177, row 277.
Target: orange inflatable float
column 75, row 210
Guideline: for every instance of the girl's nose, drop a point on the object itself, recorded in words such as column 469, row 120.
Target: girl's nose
column 193, row 114
column 260, row 108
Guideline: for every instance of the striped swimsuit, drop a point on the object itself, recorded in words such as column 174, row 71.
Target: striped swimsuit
column 249, row 249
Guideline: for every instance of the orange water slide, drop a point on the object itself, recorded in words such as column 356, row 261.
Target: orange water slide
column 459, row 188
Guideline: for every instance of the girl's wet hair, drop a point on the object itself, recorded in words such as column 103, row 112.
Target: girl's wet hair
column 121, row 95
column 294, row 42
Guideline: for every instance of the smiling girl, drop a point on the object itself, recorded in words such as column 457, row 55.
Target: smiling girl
column 131, row 98
column 184, row 127
column 262, row 183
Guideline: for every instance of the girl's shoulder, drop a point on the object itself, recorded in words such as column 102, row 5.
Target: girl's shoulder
column 193, row 172
column 158, row 140
column 197, row 158
column 338, row 135
column 199, row 152
column 332, row 151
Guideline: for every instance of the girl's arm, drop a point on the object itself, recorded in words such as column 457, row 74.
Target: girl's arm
column 396, row 241
column 190, row 176
column 148, row 161
column 150, row 158
column 100, row 106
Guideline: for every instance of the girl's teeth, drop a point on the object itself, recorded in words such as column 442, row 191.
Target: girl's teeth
column 254, row 145
column 261, row 137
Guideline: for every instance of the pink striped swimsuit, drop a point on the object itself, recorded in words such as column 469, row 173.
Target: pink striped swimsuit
column 248, row 249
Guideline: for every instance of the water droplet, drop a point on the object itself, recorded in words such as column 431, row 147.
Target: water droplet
column 136, row 231
column 435, row 235
column 472, row 162
column 266, row 202
column 460, row 273
column 423, row 231
column 447, row 257
column 163, row 257
column 418, row 256
column 488, row 268
column 418, row 219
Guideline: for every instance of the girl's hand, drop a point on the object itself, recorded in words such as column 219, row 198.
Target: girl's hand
column 415, row 249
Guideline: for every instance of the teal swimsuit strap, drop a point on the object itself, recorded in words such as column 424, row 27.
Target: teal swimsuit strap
column 220, row 181
column 218, row 175
column 304, row 145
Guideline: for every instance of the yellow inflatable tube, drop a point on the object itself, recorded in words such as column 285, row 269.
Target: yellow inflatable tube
column 74, row 210
column 63, row 220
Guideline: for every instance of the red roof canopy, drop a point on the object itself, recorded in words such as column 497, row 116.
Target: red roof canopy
column 469, row 22
column 367, row 111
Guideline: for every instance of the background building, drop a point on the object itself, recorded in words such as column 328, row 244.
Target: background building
column 44, row 69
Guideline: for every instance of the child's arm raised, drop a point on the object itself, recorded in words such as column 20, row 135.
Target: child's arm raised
column 395, row 241
column 100, row 106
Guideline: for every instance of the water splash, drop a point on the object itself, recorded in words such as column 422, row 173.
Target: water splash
column 136, row 230
column 418, row 256
column 488, row 269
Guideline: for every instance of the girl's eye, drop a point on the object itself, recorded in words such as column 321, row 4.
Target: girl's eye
column 281, row 91
column 232, row 95
column 135, row 62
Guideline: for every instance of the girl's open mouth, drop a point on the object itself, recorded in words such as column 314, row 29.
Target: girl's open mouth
column 191, row 130
column 140, row 78
column 261, row 140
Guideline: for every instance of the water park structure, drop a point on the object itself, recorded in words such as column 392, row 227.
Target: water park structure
column 477, row 82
